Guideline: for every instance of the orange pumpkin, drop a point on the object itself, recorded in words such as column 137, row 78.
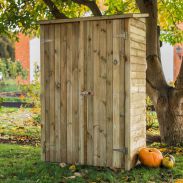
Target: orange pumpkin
column 150, row 157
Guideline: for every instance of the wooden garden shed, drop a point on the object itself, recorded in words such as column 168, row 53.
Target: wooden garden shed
column 93, row 80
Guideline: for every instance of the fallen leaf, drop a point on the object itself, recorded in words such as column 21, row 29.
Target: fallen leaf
column 72, row 168
column 62, row 165
column 179, row 181
column 77, row 174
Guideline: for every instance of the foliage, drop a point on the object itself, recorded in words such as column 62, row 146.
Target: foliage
column 120, row 7
column 6, row 48
column 151, row 116
column 13, row 99
column 23, row 164
column 170, row 15
column 29, row 12
column 33, row 90
column 9, row 85
column 12, row 69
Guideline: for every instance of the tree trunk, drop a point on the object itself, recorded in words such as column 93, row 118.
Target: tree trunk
column 170, row 116
column 168, row 101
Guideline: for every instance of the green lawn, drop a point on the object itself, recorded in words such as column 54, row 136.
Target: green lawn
column 22, row 164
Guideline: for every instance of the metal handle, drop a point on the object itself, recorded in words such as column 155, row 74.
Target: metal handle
column 86, row 93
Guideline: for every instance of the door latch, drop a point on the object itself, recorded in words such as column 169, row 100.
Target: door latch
column 86, row 93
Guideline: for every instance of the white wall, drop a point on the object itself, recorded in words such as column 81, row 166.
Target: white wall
column 167, row 61
column 34, row 55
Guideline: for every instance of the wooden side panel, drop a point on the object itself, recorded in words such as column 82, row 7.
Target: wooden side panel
column 47, row 91
column 69, row 94
column 138, row 88
column 109, row 95
column 57, row 93
column 52, row 92
column 135, row 81
column 43, row 113
column 63, row 92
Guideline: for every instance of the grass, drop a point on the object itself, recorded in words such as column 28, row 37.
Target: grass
column 19, row 124
column 9, row 85
column 22, row 164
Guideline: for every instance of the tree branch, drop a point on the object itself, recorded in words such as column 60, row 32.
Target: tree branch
column 90, row 4
column 179, row 81
column 54, row 10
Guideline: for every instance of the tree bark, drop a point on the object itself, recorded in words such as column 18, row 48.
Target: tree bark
column 54, row 10
column 168, row 101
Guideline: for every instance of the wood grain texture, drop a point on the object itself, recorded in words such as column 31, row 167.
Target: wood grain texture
column 57, row 93
column 90, row 87
column 102, row 93
column 52, row 92
column 81, row 68
column 47, row 91
column 122, row 92
column 63, row 93
column 93, row 18
column 75, row 93
column 116, row 94
column 96, row 117
column 69, row 94
column 109, row 96
column 43, row 112
column 127, row 98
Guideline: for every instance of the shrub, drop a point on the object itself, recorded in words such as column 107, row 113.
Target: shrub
column 12, row 69
column 33, row 90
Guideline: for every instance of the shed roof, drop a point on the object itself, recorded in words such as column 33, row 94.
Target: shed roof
column 56, row 21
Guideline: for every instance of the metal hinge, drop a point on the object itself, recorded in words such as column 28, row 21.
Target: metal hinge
column 123, row 150
column 123, row 35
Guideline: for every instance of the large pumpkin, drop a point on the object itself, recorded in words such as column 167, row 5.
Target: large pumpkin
column 150, row 157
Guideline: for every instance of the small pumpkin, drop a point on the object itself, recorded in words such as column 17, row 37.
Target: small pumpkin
column 168, row 161
column 150, row 157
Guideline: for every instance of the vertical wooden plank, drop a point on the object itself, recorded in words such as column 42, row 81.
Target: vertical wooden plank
column 47, row 89
column 69, row 93
column 63, row 94
column 89, row 81
column 81, row 88
column 52, row 92
column 85, row 98
column 109, row 90
column 116, row 92
column 96, row 58
column 42, row 48
column 57, row 93
column 127, row 98
column 102, row 93
column 122, row 91
column 75, row 93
